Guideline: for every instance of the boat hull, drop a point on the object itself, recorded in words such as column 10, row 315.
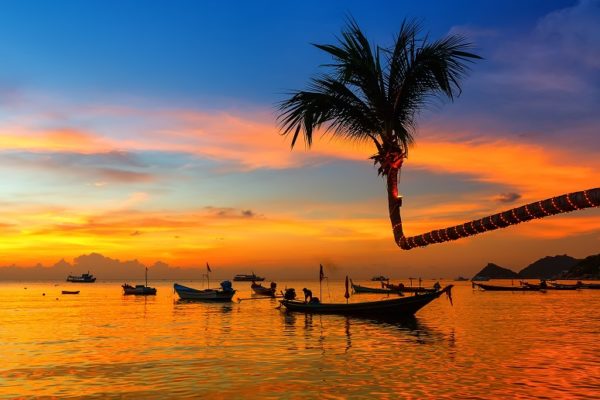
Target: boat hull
column 409, row 289
column 210, row 295
column 248, row 278
column 364, row 289
column 70, row 292
column 492, row 288
column 139, row 291
column 263, row 291
column 401, row 307
column 80, row 280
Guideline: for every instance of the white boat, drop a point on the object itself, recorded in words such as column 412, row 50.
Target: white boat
column 83, row 278
column 380, row 278
column 248, row 278
column 187, row 293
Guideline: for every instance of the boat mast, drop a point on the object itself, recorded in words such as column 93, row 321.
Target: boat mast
column 146, row 276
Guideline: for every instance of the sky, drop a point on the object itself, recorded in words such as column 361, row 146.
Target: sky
column 147, row 130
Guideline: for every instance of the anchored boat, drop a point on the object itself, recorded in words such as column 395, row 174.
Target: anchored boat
column 219, row 295
column 248, row 278
column 405, row 306
column 264, row 291
column 139, row 290
column 83, row 278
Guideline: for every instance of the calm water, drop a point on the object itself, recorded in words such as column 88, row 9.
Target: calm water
column 102, row 344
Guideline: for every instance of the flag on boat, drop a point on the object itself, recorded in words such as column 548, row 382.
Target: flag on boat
column 321, row 274
column 208, row 268
column 347, row 294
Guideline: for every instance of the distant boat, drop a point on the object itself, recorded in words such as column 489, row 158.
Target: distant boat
column 380, row 278
column 590, row 285
column 409, row 289
column 83, row 278
column 401, row 307
column 264, row 291
column 544, row 286
column 139, row 290
column 248, row 278
column 70, row 292
column 578, row 285
column 492, row 288
column 480, row 278
column 366, row 289
column 221, row 295
column 461, row 279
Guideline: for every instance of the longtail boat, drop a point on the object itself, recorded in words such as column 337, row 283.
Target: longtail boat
column 492, row 288
column 405, row 306
column 218, row 295
column 565, row 285
column 546, row 287
column 264, row 291
column 590, row 285
column 365, row 289
column 70, row 292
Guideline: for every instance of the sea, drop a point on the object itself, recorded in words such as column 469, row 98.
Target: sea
column 485, row 345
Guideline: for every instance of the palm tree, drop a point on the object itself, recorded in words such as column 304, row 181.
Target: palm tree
column 374, row 94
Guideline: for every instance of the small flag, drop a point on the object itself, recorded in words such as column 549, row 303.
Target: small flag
column 347, row 294
column 208, row 268
column 321, row 274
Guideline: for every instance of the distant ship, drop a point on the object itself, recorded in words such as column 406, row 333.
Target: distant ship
column 461, row 279
column 380, row 278
column 248, row 278
column 84, row 278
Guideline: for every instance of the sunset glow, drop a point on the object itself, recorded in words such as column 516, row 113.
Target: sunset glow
column 162, row 180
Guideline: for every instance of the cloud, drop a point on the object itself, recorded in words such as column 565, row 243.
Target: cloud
column 248, row 213
column 507, row 197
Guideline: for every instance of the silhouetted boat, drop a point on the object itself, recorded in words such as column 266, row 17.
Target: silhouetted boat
column 461, row 279
column 380, row 278
column 404, row 306
column 547, row 287
column 248, row 278
column 83, row 278
column 139, row 290
column 264, row 291
column 70, row 292
column 590, row 285
column 366, row 289
column 408, row 289
column 187, row 293
column 565, row 285
column 492, row 288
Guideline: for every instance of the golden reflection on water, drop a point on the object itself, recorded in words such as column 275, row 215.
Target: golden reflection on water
column 102, row 344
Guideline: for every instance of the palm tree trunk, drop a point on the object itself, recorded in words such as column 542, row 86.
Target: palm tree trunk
column 544, row 208
column 394, row 204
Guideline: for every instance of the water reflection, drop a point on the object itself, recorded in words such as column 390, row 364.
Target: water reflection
column 103, row 344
